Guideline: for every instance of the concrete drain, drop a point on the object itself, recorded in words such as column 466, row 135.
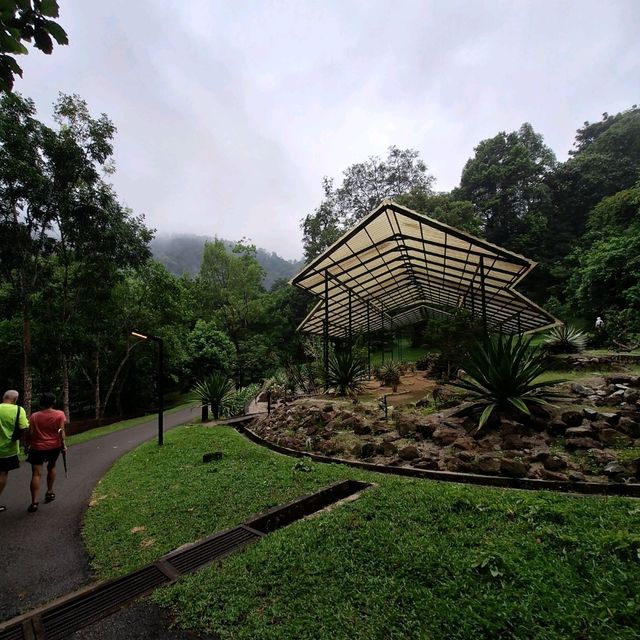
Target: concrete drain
column 72, row 612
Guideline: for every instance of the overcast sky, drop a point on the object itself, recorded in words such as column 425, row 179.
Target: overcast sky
column 230, row 112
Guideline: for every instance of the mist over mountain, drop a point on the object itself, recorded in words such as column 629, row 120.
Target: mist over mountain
column 182, row 253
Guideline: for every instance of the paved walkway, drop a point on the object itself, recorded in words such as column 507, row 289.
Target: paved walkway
column 41, row 554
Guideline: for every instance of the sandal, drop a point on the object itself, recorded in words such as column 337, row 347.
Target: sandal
column 33, row 507
column 49, row 497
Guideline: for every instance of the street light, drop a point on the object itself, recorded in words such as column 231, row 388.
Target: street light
column 143, row 336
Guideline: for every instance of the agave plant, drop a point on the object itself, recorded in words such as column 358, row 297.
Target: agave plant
column 214, row 390
column 565, row 339
column 502, row 374
column 389, row 374
column 347, row 370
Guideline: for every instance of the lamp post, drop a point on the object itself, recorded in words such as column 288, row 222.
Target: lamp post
column 143, row 336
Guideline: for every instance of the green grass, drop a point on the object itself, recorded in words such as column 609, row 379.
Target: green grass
column 409, row 559
column 119, row 426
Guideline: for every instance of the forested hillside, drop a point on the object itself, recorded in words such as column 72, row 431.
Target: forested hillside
column 182, row 253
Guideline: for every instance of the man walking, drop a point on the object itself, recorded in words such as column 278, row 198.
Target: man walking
column 46, row 441
column 12, row 417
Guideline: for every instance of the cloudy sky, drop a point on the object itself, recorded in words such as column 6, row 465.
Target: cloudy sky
column 230, row 112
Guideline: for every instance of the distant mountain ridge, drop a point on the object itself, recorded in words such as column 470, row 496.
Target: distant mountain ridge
column 182, row 253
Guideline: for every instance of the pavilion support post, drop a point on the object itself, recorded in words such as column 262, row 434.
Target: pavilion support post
column 382, row 314
column 326, row 330
column 350, row 331
column 519, row 321
column 368, row 342
column 483, row 297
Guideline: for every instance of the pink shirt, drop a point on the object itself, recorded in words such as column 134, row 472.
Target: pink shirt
column 44, row 427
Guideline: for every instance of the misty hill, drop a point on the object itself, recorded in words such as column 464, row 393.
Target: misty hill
column 183, row 254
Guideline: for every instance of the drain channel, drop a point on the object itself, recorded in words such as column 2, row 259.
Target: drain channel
column 70, row 613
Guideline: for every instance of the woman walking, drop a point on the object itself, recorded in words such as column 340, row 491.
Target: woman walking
column 46, row 441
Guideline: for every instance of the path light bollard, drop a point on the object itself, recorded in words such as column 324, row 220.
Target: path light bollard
column 204, row 416
column 382, row 403
column 268, row 403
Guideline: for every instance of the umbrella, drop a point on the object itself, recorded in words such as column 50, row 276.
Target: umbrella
column 63, row 450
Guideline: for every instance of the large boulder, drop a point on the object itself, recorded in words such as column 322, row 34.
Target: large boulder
column 405, row 424
column 580, row 389
column 445, row 436
column 555, row 463
column 612, row 437
column 583, row 443
column 487, row 463
column 631, row 395
column 410, row 452
column 629, row 426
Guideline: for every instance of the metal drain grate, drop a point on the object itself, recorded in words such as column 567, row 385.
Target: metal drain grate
column 12, row 633
column 217, row 546
column 78, row 612
column 75, row 611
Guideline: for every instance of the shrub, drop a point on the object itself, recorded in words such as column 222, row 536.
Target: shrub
column 347, row 370
column 215, row 389
column 565, row 339
column 389, row 374
column 501, row 372
column 235, row 402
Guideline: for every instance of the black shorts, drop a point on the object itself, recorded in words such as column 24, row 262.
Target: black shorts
column 45, row 455
column 9, row 464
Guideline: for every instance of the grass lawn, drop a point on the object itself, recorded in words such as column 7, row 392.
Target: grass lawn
column 408, row 559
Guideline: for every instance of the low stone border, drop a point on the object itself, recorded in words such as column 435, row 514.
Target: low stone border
column 588, row 488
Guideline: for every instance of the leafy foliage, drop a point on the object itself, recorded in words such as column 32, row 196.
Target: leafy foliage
column 235, row 402
column 25, row 21
column 347, row 370
column 216, row 389
column 389, row 374
column 565, row 339
column 502, row 373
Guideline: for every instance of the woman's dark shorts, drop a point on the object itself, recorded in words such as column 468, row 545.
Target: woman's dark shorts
column 46, row 455
column 9, row 464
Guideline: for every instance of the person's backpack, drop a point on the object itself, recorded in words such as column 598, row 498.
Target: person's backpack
column 16, row 428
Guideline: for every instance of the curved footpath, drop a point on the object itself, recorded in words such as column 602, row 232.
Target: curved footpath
column 41, row 554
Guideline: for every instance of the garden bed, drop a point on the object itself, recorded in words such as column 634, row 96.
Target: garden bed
column 593, row 437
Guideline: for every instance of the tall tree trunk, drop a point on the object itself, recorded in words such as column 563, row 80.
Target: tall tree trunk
column 115, row 377
column 97, row 379
column 27, row 376
column 65, row 386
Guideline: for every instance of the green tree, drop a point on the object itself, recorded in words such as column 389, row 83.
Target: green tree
column 364, row 185
column 209, row 350
column 445, row 208
column 507, row 182
column 26, row 21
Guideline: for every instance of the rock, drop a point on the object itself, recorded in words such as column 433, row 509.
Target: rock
column 540, row 455
column 610, row 418
column 328, row 408
column 426, row 429
column 328, row 447
column 579, row 432
column 576, row 476
column 465, row 443
column 361, row 429
column 424, row 402
column 590, row 414
column 405, row 424
column 513, row 468
column 512, row 441
column 583, row 443
column 614, row 470
column 631, row 395
column 553, row 475
column 212, row 456
column 311, row 429
column 387, row 449
column 363, row 450
column 410, row 452
column 634, row 465
column 613, row 437
column 580, row 390
column 445, row 436
column 487, row 463
column 511, row 427
column 558, row 427
column 629, row 426
column 465, row 456
column 379, row 427
column 572, row 418
column 601, row 457
column 456, row 465
column 555, row 463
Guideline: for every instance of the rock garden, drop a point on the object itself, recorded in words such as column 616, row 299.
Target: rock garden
column 592, row 435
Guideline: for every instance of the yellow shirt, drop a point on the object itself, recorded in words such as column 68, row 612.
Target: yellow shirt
column 8, row 447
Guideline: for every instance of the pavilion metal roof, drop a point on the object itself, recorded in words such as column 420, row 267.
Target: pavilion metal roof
column 396, row 267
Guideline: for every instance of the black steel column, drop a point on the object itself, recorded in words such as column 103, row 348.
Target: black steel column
column 382, row 312
column 483, row 297
column 519, row 324
column 326, row 330
column 350, row 331
column 160, row 393
column 368, row 342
